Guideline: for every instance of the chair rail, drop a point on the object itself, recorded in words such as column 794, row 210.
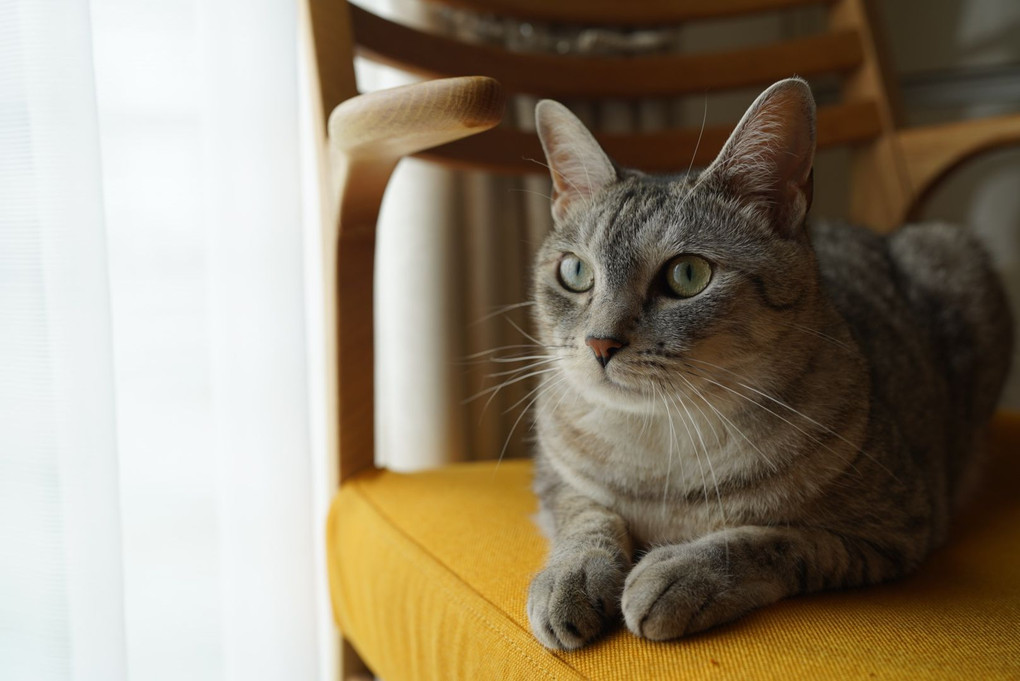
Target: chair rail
column 506, row 150
column 551, row 75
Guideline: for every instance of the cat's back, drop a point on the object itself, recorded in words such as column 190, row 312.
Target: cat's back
column 932, row 320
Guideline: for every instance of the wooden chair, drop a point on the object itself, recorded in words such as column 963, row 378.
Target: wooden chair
column 383, row 523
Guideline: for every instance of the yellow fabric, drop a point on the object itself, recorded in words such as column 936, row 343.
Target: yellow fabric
column 429, row 575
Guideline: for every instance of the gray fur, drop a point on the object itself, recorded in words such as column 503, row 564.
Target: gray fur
column 807, row 422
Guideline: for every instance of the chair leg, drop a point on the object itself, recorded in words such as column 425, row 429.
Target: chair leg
column 352, row 667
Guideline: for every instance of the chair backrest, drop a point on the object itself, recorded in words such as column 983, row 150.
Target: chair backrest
column 850, row 47
column 863, row 115
column 890, row 168
column 844, row 49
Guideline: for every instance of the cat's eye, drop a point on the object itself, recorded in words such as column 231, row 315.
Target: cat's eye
column 575, row 274
column 688, row 275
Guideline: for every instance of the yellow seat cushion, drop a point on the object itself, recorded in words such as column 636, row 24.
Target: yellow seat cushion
column 429, row 574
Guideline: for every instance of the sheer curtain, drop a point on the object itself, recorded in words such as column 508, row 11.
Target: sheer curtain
column 61, row 601
column 162, row 481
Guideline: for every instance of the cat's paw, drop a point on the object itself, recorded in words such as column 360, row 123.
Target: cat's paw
column 678, row 590
column 572, row 599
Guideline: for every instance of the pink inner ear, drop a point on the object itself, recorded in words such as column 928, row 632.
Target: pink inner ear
column 576, row 179
column 770, row 154
column 774, row 146
column 795, row 124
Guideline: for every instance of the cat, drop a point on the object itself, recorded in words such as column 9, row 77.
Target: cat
column 740, row 406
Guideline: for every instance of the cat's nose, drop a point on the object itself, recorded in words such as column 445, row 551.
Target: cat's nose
column 604, row 348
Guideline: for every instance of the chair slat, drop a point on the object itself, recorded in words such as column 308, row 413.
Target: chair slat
column 506, row 150
column 548, row 75
column 621, row 13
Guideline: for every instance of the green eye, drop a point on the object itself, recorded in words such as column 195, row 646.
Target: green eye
column 575, row 274
column 688, row 275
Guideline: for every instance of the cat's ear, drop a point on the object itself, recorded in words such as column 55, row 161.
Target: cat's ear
column 769, row 157
column 578, row 165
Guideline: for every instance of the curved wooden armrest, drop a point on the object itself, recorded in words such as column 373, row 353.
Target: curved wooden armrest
column 368, row 135
column 930, row 152
column 405, row 120
column 898, row 172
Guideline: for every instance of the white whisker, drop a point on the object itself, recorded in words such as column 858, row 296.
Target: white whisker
column 523, row 332
column 533, row 365
column 816, row 332
column 524, row 411
column 553, row 170
column 732, row 425
column 495, row 389
column 566, row 392
column 701, row 132
column 491, row 351
column 502, row 310
column 521, row 190
column 530, row 393
column 521, row 358
column 669, row 458
column 701, row 466
column 701, row 411
column 711, row 470
column 794, row 425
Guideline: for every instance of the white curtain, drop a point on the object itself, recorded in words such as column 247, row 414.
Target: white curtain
column 61, row 596
column 162, row 474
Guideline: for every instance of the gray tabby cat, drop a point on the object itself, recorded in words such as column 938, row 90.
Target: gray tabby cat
column 741, row 408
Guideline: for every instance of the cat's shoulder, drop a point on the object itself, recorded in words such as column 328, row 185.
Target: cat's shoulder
column 905, row 249
column 838, row 234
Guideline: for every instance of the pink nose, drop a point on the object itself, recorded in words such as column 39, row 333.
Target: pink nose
column 604, row 348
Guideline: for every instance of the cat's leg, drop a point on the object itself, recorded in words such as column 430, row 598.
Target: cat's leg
column 680, row 589
column 578, row 592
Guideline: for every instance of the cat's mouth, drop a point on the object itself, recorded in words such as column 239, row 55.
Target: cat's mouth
column 609, row 381
column 619, row 380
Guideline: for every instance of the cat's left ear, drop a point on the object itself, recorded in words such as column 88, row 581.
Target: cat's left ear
column 770, row 155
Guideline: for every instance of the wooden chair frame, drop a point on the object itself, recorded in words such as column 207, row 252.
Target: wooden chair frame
column 892, row 167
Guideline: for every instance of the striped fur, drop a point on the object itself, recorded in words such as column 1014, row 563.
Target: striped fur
column 806, row 422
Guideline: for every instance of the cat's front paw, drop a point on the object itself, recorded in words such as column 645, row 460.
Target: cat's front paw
column 678, row 590
column 572, row 599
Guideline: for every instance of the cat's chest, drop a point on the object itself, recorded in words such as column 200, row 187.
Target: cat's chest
column 651, row 523
column 661, row 474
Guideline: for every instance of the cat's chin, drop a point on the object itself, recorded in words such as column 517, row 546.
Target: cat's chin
column 605, row 392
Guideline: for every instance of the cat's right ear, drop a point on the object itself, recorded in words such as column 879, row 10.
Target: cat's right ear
column 768, row 158
column 578, row 165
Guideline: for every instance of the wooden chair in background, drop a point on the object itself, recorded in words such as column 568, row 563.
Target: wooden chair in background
column 892, row 169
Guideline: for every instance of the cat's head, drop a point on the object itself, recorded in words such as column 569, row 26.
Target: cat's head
column 650, row 283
